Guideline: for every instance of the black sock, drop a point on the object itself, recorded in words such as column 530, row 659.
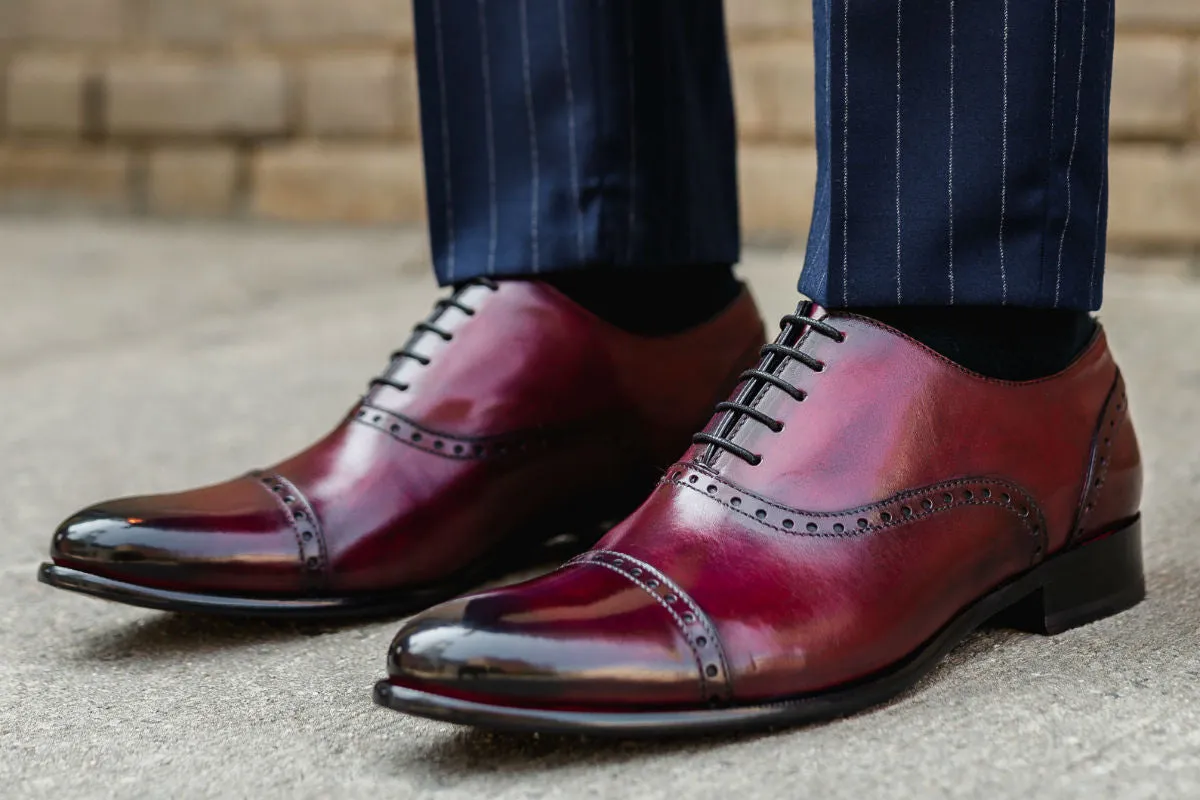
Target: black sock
column 651, row 302
column 1014, row 344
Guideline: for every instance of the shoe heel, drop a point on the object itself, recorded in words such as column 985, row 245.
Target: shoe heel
column 1088, row 583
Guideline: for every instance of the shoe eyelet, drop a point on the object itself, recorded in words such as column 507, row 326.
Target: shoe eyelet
column 711, row 671
column 761, row 513
column 839, row 528
column 885, row 517
column 701, row 641
column 862, row 523
column 789, row 524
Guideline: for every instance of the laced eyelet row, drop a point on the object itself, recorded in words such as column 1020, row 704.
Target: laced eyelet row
column 429, row 326
column 764, row 375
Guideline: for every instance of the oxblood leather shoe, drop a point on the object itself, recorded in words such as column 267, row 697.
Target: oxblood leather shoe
column 860, row 507
column 511, row 417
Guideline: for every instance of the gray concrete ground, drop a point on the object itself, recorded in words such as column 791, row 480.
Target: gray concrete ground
column 140, row 357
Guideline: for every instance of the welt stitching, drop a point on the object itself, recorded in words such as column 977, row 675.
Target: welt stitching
column 857, row 532
column 910, row 493
column 701, row 617
column 678, row 621
column 266, row 479
column 494, row 446
column 1102, row 454
column 318, row 528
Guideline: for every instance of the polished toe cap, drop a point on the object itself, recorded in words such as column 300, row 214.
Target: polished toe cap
column 218, row 539
column 582, row 637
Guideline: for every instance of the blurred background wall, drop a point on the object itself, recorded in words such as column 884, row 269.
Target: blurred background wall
column 305, row 110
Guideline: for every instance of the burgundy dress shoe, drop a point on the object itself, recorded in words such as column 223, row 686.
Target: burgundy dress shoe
column 858, row 508
column 511, row 417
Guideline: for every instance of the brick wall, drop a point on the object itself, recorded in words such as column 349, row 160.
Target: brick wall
column 304, row 110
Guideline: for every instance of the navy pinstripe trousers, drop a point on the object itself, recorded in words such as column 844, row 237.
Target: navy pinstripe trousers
column 962, row 144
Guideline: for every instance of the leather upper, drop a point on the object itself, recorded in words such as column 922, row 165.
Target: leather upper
column 899, row 491
column 533, row 418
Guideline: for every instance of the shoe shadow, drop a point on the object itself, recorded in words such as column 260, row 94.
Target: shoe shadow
column 470, row 751
column 165, row 637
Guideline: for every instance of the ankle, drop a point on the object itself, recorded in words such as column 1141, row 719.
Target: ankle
column 654, row 302
column 1015, row 344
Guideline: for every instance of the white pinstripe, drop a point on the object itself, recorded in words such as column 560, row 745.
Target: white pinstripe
column 1004, row 171
column 534, row 177
column 899, row 94
column 1062, row 241
column 950, row 169
column 1054, row 76
column 447, row 187
column 846, row 152
column 491, row 137
column 1104, row 177
column 571, row 144
column 824, row 240
column 632, row 132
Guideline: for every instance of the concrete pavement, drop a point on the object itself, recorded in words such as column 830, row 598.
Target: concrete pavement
column 140, row 357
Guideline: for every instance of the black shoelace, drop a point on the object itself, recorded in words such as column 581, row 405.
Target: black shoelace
column 429, row 325
column 774, row 356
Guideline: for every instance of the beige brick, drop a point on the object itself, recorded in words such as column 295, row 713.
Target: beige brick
column 42, row 176
column 244, row 98
column 45, row 94
column 78, row 21
column 1151, row 87
column 756, row 18
column 196, row 182
column 773, row 85
column 12, row 20
column 1155, row 195
column 1176, row 264
column 360, row 95
column 776, row 185
column 323, row 21
column 1161, row 14
column 210, row 23
column 338, row 183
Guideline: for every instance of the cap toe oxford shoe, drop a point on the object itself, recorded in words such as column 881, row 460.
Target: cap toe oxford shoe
column 857, row 507
column 510, row 418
